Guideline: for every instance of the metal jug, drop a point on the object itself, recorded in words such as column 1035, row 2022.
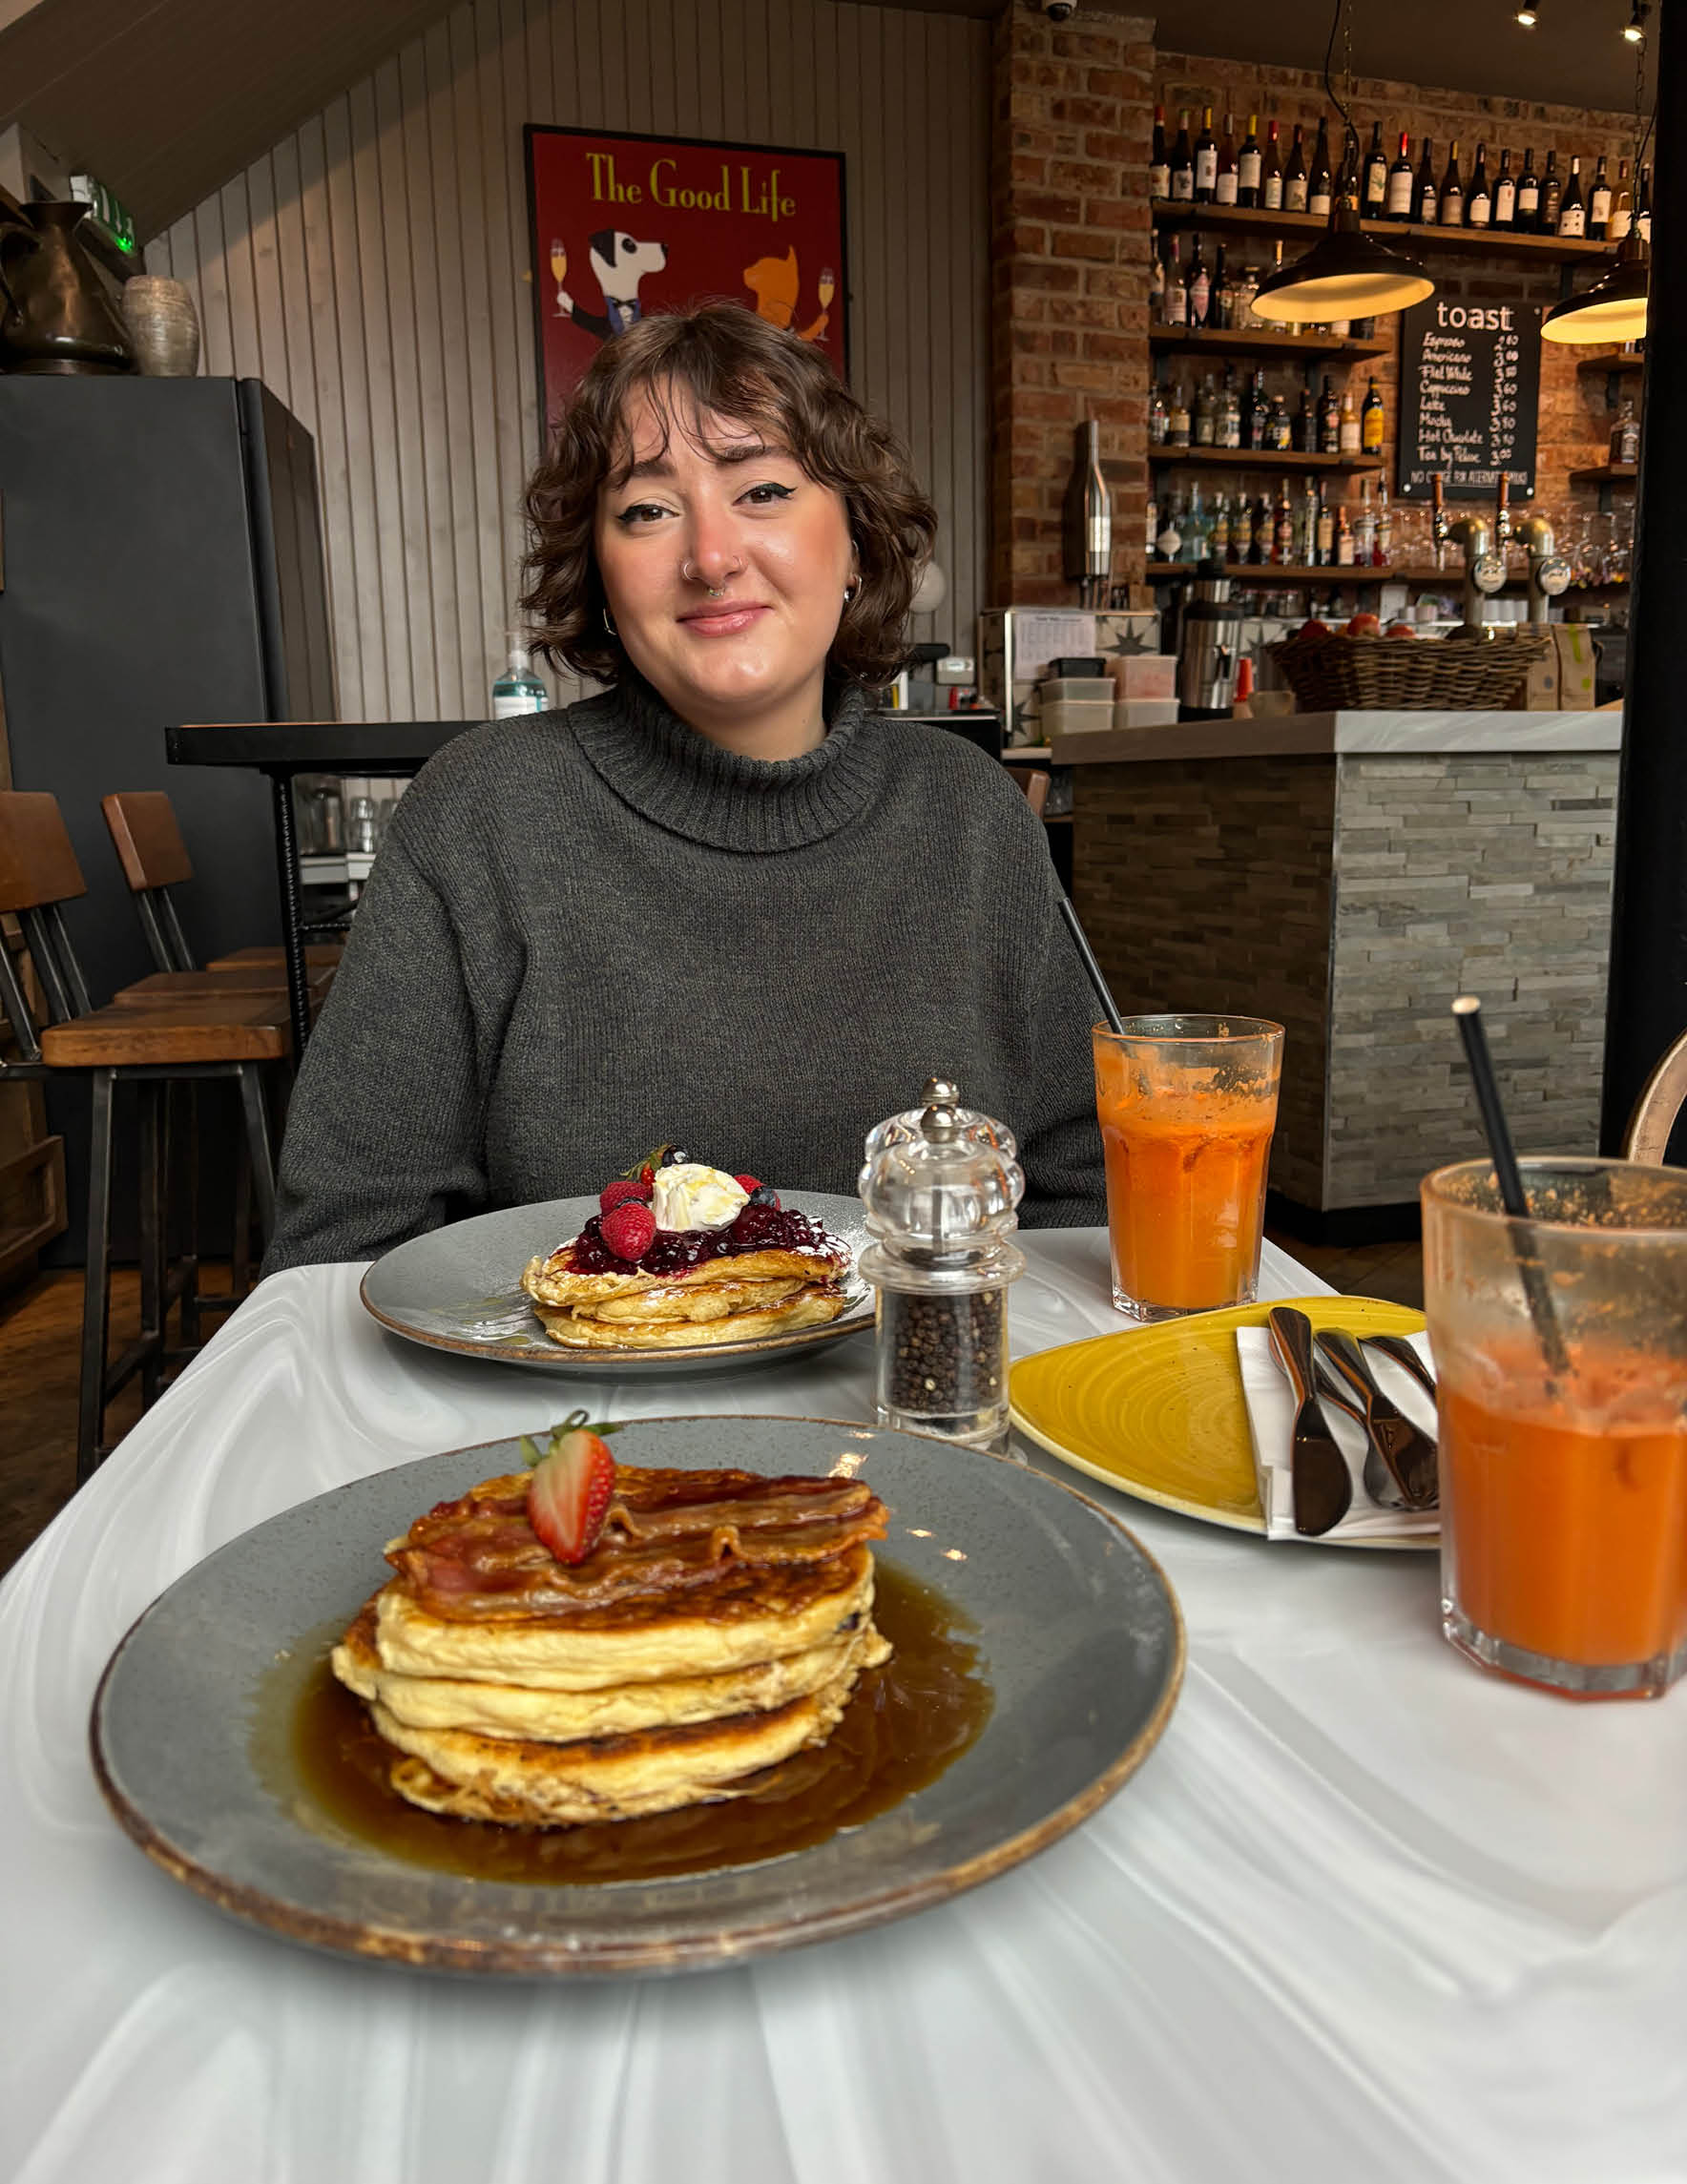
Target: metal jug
column 1211, row 642
column 55, row 314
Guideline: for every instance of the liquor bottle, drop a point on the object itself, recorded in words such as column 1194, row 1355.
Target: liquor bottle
column 1348, row 440
column 1182, row 162
column 1452, row 213
column 1321, row 187
column 1552, row 197
column 1329, row 422
column 1271, row 174
column 1423, row 196
column 1198, row 286
column 1260, row 543
column 1206, row 160
column 1382, row 552
column 1599, row 204
column 1204, row 424
column 1232, row 415
column 1373, row 202
column 1399, row 200
column 1225, row 183
column 1086, row 516
column 1282, row 529
column 1372, row 422
column 1365, row 529
column 1479, row 203
column 1196, row 525
column 1325, row 532
column 1258, row 413
column 1294, row 176
column 1159, row 164
column 1150, row 541
column 1305, row 429
column 1159, row 420
column 1573, row 211
column 1170, row 542
column 1176, row 296
column 1625, row 436
column 1219, row 532
column 518, row 689
column 1622, row 206
column 1157, row 280
column 1279, row 433
column 1243, row 288
column 1528, row 195
column 1505, row 193
column 1178, row 422
column 1219, row 292
column 1250, row 165
column 1346, row 549
column 1643, row 206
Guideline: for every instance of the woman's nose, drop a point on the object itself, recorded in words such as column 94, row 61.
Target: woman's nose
column 712, row 551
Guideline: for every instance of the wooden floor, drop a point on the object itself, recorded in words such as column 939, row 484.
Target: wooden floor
column 40, row 1331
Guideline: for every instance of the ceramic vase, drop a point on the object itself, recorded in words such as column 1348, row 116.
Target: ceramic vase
column 163, row 326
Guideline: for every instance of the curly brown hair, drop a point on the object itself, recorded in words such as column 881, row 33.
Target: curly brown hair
column 720, row 360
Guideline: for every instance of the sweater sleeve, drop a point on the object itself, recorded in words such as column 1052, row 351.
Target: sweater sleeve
column 386, row 1129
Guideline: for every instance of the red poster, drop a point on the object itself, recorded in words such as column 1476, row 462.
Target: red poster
column 624, row 226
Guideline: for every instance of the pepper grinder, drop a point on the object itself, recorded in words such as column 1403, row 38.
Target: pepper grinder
column 939, row 1185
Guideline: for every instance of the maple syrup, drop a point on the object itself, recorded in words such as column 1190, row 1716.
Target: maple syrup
column 904, row 1723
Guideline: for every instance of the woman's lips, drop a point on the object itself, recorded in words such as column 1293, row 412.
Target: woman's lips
column 723, row 621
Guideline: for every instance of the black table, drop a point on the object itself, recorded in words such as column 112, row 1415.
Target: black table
column 284, row 748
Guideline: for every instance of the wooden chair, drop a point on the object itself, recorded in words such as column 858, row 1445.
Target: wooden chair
column 151, row 1045
column 1660, row 1102
column 1034, row 781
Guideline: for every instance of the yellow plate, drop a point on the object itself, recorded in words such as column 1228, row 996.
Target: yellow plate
column 1158, row 1412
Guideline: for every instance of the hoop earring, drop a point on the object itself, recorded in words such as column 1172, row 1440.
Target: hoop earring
column 609, row 624
column 850, row 592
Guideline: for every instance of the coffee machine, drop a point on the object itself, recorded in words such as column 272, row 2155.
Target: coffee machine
column 1209, row 646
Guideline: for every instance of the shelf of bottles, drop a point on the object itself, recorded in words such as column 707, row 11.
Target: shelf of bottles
column 1260, row 575
column 1605, row 474
column 1263, row 342
column 1203, row 458
column 1622, row 366
column 1206, row 180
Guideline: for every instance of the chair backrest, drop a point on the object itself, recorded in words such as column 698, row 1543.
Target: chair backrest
column 1659, row 1102
column 154, row 859
column 38, row 871
column 1034, row 781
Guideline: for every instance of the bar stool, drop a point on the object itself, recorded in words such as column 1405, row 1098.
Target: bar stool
column 150, row 1045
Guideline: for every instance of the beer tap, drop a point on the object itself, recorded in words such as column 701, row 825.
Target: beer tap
column 1438, row 525
column 1485, row 571
column 1549, row 573
column 1502, row 516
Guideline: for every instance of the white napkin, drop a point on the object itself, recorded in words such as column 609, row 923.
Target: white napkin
column 1271, row 1422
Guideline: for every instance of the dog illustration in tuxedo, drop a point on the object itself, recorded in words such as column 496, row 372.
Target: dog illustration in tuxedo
column 621, row 262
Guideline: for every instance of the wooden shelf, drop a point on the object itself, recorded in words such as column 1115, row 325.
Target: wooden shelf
column 1605, row 367
column 1246, row 458
column 1257, row 341
column 1605, row 474
column 1248, row 575
column 1482, row 241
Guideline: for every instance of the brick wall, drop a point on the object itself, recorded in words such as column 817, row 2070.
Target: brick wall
column 1070, row 255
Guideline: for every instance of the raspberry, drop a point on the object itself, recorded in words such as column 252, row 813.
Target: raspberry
column 747, row 1184
column 629, row 1229
column 614, row 1195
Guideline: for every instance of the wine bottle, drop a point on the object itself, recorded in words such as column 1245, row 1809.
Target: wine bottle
column 1197, row 288
column 1423, row 196
column 1348, row 430
column 1259, row 414
column 1086, row 521
column 1320, row 186
column 1282, row 528
column 1372, row 422
column 1622, row 206
column 1399, row 200
column 1573, row 211
column 1249, row 165
column 1294, row 176
column 1643, row 206
column 1271, row 174
column 1177, row 297
column 1528, row 195
column 1206, row 160
column 1183, row 163
column 1373, row 202
column 1205, row 422
column 1329, row 421
column 1219, row 293
column 1305, row 427
column 1159, row 164
column 1157, row 280
column 1325, row 532
column 1452, row 192
column 1178, row 422
column 1224, row 186
column 1552, row 197
column 1479, row 203
column 1599, row 203
column 1505, row 193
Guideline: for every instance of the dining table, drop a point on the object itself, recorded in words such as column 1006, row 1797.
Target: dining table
column 1365, row 1912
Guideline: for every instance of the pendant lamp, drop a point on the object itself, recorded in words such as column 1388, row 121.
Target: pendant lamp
column 1347, row 274
column 1613, row 309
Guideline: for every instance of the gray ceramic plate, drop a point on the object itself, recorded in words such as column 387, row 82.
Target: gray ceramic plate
column 459, row 1288
column 1079, row 1633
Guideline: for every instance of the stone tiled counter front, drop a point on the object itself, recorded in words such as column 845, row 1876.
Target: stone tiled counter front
column 1349, row 874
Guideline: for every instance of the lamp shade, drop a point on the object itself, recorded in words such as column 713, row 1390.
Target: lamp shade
column 1347, row 274
column 1613, row 309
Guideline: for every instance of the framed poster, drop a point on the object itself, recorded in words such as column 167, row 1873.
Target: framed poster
column 623, row 226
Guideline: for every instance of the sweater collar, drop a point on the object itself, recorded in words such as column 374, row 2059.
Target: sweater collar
column 665, row 769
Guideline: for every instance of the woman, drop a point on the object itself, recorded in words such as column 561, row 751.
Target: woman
column 726, row 905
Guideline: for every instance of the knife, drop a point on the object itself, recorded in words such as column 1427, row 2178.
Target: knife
column 1323, row 1486
column 1409, row 1452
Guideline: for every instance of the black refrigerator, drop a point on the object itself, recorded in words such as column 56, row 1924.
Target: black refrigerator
column 161, row 561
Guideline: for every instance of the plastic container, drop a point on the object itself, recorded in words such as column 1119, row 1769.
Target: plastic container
column 940, row 1184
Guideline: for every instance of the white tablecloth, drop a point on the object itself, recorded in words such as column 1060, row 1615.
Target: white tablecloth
column 1365, row 1915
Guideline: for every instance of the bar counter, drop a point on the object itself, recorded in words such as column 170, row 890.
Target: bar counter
column 1349, row 874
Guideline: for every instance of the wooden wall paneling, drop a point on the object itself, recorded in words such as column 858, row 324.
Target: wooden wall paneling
column 580, row 97
column 485, row 608
column 386, row 553
column 295, row 278
column 359, row 358
column 217, row 345
column 418, row 674
column 240, row 280
column 461, row 607
column 435, row 438
column 339, row 552
column 507, row 297
column 268, row 303
column 613, row 34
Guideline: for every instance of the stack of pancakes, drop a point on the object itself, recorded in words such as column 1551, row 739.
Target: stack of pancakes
column 730, row 1298
column 718, row 1626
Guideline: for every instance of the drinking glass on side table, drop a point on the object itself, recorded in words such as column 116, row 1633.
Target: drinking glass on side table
column 1187, row 1106
column 1561, row 1358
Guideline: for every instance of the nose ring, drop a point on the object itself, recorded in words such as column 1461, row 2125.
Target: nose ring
column 693, row 575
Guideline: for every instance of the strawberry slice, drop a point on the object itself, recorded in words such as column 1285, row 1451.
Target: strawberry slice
column 571, row 1487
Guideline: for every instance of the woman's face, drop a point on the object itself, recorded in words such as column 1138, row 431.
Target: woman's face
column 725, row 565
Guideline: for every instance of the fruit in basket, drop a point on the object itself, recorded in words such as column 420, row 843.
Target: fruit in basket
column 1400, row 629
column 1362, row 625
column 1312, row 630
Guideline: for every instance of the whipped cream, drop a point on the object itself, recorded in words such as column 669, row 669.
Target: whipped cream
column 690, row 1196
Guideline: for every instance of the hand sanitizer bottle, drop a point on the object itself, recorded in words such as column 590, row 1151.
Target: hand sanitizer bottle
column 518, row 689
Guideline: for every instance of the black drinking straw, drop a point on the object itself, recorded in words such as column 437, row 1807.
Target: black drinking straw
column 1092, row 968
column 1467, row 1010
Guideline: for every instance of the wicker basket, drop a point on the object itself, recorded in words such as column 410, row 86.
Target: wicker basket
column 1419, row 674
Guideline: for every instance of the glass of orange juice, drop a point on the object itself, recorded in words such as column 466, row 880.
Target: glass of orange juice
column 1187, row 1106
column 1561, row 1361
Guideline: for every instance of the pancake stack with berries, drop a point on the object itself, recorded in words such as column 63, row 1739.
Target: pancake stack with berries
column 680, row 1255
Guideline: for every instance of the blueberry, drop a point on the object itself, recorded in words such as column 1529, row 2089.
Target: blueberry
column 674, row 1154
column 764, row 1195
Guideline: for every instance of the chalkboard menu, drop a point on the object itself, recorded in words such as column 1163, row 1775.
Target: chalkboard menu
column 1470, row 397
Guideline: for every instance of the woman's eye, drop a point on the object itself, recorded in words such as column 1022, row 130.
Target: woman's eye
column 641, row 512
column 768, row 495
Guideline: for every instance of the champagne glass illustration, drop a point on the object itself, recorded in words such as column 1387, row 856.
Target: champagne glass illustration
column 826, row 288
column 558, row 272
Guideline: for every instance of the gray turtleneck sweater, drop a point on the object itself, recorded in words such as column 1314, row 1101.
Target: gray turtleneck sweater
column 593, row 931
